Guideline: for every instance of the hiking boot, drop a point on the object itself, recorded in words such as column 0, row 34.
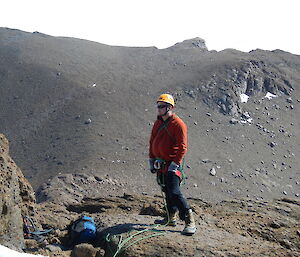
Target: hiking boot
column 168, row 222
column 190, row 226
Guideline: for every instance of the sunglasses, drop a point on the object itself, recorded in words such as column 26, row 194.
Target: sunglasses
column 161, row 106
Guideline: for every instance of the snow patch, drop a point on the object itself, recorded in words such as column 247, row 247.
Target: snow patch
column 270, row 95
column 6, row 252
column 244, row 98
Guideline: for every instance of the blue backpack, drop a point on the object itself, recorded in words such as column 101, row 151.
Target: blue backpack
column 83, row 230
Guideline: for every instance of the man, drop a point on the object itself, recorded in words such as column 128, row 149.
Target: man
column 168, row 145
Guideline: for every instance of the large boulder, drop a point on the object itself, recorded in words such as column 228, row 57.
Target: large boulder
column 84, row 250
column 16, row 199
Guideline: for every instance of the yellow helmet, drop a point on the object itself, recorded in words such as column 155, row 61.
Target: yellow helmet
column 166, row 98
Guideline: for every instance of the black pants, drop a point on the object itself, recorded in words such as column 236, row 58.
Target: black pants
column 175, row 199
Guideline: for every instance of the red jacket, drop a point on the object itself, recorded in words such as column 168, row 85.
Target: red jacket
column 169, row 143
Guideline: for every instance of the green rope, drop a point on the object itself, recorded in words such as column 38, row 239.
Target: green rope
column 121, row 243
column 145, row 237
column 182, row 173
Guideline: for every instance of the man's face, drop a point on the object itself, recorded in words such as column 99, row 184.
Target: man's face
column 161, row 108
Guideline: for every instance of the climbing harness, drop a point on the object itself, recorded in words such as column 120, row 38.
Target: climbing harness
column 160, row 174
column 31, row 231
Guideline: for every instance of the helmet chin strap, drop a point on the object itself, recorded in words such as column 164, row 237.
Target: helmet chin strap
column 167, row 110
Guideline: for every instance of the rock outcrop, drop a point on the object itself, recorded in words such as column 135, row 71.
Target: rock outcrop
column 16, row 199
column 251, row 77
column 193, row 43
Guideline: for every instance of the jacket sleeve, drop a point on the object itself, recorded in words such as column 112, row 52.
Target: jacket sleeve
column 153, row 134
column 181, row 142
